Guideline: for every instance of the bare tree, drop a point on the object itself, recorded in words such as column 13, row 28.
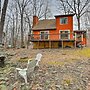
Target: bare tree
column 12, row 33
column 4, row 9
column 22, row 4
column 11, row 17
column 40, row 8
column 16, row 15
column 28, row 20
column 79, row 7
column 19, row 15
column 6, row 33
column 87, row 20
column 47, row 11
column 63, row 7
column 16, row 24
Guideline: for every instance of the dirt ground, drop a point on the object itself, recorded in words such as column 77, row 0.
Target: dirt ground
column 60, row 69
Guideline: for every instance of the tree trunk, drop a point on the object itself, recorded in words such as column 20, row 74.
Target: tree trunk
column 13, row 33
column 78, row 19
column 0, row 33
column 16, row 33
column 22, row 42
column 3, row 19
column 30, row 29
column 6, row 35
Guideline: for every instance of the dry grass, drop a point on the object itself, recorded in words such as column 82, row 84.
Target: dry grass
column 52, row 56
column 85, row 52
column 63, row 57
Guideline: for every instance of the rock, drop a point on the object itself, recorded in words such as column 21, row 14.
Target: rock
column 58, row 86
column 11, row 54
column 1, row 73
column 2, row 79
column 23, row 57
column 63, row 53
column 54, row 72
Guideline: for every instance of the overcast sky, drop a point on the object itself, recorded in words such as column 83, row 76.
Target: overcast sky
column 52, row 6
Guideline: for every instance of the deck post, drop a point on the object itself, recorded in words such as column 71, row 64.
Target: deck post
column 75, row 43
column 75, row 40
column 81, row 40
column 44, row 44
column 49, row 44
column 38, row 44
column 62, row 44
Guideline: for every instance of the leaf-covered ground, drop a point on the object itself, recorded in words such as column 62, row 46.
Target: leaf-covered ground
column 60, row 69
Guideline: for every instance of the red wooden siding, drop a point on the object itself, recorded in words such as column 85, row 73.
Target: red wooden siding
column 68, row 26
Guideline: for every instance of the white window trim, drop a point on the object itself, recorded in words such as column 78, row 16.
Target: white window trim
column 65, row 23
column 64, row 30
column 82, row 37
column 44, row 31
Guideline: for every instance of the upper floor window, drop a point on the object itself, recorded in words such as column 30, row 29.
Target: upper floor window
column 63, row 20
column 44, row 35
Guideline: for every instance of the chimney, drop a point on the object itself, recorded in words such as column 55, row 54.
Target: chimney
column 35, row 20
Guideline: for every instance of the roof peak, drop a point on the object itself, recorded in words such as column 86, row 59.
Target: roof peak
column 64, row 15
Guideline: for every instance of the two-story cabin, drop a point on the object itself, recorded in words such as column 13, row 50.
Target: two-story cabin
column 55, row 33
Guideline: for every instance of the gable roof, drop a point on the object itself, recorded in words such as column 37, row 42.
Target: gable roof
column 45, row 24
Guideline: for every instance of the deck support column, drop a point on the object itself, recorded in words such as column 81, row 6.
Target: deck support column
column 75, row 40
column 62, row 44
column 49, row 44
column 75, row 43
column 44, row 44
column 38, row 45
column 81, row 40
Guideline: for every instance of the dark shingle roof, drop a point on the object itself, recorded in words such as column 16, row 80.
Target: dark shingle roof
column 64, row 15
column 45, row 24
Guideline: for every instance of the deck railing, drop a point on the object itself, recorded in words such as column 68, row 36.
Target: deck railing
column 65, row 36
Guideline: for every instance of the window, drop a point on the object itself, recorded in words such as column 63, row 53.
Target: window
column 65, row 34
column 84, row 35
column 80, row 36
column 63, row 20
column 44, row 35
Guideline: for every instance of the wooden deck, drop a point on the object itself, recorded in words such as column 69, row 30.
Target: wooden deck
column 53, row 43
column 56, row 42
